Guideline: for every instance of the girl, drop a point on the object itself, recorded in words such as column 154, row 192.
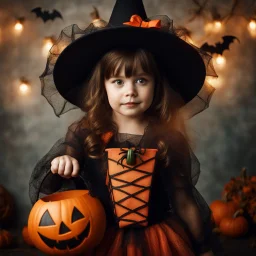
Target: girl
column 132, row 88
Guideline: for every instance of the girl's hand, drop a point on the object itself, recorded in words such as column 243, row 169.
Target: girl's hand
column 210, row 253
column 66, row 166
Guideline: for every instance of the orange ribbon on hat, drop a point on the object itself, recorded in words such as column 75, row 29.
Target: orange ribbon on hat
column 136, row 21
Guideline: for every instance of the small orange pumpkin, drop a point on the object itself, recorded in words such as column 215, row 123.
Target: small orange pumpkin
column 221, row 209
column 235, row 226
column 67, row 223
column 26, row 236
column 6, row 238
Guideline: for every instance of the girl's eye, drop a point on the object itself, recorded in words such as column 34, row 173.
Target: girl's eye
column 141, row 81
column 118, row 82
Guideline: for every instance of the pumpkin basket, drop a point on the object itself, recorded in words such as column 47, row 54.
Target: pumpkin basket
column 67, row 223
column 129, row 180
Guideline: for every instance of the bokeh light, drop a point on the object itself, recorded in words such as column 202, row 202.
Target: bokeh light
column 18, row 26
column 48, row 43
column 252, row 28
column 220, row 61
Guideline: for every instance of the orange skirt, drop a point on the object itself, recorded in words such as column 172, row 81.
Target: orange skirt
column 165, row 238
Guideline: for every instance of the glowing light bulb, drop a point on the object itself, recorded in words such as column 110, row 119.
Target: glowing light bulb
column 217, row 25
column 18, row 26
column 48, row 43
column 24, row 88
column 252, row 28
column 252, row 25
column 220, row 60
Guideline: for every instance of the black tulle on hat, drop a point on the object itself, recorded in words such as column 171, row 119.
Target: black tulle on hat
column 74, row 56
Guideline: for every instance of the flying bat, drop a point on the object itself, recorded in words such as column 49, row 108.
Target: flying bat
column 46, row 15
column 219, row 48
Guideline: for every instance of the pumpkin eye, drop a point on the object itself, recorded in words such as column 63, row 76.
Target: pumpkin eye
column 76, row 215
column 46, row 220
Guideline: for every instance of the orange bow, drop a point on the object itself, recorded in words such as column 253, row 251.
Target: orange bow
column 136, row 21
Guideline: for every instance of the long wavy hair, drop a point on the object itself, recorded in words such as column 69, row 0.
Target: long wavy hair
column 98, row 120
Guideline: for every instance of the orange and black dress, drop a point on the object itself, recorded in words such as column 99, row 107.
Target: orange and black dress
column 149, row 212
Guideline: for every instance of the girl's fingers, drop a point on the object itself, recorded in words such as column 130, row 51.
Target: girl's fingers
column 65, row 166
column 68, row 168
column 55, row 165
column 61, row 168
column 75, row 168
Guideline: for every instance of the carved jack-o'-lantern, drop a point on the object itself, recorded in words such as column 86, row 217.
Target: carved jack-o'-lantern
column 69, row 222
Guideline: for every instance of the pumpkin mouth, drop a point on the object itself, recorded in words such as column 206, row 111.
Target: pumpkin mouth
column 66, row 244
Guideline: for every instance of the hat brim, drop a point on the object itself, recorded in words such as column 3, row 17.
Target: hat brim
column 182, row 64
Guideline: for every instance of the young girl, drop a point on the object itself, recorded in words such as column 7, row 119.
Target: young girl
column 132, row 86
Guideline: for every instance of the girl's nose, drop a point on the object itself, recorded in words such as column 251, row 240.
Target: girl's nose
column 131, row 89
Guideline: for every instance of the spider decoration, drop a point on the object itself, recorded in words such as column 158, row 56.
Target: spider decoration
column 130, row 155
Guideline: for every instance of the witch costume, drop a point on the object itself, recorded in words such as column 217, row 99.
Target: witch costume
column 160, row 224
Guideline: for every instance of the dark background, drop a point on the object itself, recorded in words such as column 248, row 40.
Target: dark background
column 223, row 136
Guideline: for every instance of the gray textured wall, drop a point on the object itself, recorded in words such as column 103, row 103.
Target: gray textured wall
column 224, row 134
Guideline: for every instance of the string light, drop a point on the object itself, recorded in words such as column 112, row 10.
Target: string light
column 48, row 43
column 24, row 86
column 220, row 60
column 252, row 27
column 214, row 26
column 217, row 25
column 19, row 24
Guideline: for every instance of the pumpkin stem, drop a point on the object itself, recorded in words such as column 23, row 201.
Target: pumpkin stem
column 238, row 212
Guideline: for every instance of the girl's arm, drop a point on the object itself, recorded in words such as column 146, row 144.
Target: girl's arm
column 42, row 180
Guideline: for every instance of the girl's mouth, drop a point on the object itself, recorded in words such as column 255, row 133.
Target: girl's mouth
column 131, row 104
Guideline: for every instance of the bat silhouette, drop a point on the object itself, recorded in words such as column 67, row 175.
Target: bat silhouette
column 219, row 48
column 46, row 15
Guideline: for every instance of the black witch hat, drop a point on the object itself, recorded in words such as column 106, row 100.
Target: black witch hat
column 184, row 65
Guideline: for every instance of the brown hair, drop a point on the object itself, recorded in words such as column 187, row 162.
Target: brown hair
column 164, row 107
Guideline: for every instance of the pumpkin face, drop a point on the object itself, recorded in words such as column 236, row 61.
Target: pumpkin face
column 69, row 223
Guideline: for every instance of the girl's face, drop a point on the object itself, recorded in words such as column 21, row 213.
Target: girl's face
column 137, row 89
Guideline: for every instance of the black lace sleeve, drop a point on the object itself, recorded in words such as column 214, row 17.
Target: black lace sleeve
column 43, row 181
column 185, row 200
